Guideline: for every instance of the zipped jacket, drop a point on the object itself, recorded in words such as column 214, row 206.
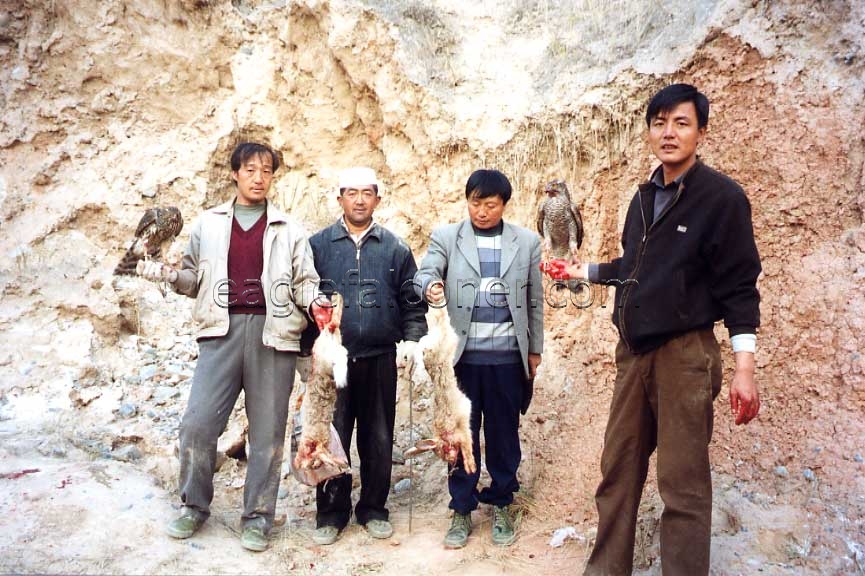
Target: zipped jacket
column 697, row 263
column 375, row 281
column 289, row 282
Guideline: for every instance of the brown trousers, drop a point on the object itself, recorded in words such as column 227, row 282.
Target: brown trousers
column 662, row 400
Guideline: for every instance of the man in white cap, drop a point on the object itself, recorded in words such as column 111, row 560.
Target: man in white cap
column 373, row 270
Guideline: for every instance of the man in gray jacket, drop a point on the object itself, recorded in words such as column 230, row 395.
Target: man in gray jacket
column 487, row 271
column 250, row 269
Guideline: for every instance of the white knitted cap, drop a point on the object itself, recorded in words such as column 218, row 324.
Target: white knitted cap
column 357, row 176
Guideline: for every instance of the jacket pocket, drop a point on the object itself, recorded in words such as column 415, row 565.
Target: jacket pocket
column 289, row 326
column 700, row 354
column 712, row 351
column 682, row 303
column 203, row 313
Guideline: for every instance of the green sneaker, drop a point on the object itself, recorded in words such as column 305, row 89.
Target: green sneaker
column 253, row 538
column 325, row 535
column 458, row 533
column 185, row 525
column 379, row 528
column 503, row 527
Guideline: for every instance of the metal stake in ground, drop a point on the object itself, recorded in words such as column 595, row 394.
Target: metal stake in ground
column 411, row 460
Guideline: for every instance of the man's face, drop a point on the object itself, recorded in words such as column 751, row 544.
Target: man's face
column 485, row 213
column 253, row 179
column 674, row 136
column 358, row 204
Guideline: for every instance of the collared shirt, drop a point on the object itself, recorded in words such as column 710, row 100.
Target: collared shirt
column 664, row 192
column 358, row 238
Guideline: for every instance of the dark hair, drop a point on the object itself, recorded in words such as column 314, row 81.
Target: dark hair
column 246, row 150
column 486, row 183
column 673, row 95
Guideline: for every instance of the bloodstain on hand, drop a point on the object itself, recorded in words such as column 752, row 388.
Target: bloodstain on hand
column 322, row 316
column 555, row 269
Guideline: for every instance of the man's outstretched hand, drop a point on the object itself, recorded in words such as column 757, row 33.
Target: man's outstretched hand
column 555, row 268
column 561, row 269
column 577, row 270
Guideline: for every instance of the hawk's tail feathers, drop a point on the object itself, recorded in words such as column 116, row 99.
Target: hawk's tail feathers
column 129, row 262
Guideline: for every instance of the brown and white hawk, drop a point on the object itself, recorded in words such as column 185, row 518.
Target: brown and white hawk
column 559, row 221
column 156, row 230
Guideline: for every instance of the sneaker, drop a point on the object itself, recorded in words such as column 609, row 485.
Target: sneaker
column 458, row 533
column 253, row 538
column 379, row 528
column 325, row 535
column 185, row 525
column 503, row 527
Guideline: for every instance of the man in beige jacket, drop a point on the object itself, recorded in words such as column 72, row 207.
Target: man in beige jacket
column 250, row 269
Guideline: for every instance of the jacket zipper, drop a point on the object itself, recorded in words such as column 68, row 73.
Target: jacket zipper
column 359, row 304
column 644, row 241
column 265, row 277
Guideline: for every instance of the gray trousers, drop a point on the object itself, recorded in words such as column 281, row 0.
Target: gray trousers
column 238, row 361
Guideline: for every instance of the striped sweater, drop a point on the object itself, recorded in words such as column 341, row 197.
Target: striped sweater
column 492, row 338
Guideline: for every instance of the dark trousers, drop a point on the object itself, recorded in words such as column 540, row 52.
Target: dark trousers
column 238, row 361
column 370, row 399
column 661, row 400
column 496, row 393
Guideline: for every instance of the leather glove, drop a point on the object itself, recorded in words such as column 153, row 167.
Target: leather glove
column 528, row 390
column 156, row 271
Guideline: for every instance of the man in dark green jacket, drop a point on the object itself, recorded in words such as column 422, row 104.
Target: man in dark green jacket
column 689, row 259
column 373, row 270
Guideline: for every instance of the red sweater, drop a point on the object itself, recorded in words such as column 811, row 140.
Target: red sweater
column 245, row 263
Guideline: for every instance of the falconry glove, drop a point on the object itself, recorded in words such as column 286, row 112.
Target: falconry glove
column 156, row 271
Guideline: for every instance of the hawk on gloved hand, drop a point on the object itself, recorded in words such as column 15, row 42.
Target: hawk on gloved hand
column 560, row 222
column 157, row 229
